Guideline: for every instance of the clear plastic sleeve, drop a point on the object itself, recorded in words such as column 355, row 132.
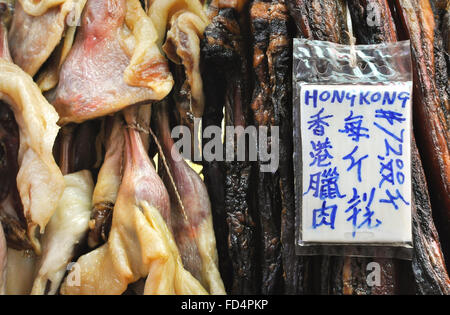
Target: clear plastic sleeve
column 323, row 63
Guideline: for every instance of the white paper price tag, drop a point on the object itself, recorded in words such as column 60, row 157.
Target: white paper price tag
column 356, row 162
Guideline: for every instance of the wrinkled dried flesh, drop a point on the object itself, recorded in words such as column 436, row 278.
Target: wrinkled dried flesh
column 39, row 181
column 161, row 11
column 4, row 51
column 39, row 7
column 372, row 33
column 431, row 129
column 107, row 186
column 224, row 44
column 48, row 75
column 113, row 63
column 267, row 186
column 32, row 39
column 139, row 243
column 182, row 46
column 191, row 213
column 65, row 230
column 320, row 19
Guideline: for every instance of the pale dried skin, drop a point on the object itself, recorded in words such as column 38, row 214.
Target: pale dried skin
column 39, row 7
column 110, row 176
column 65, row 230
column 20, row 272
column 39, row 181
column 113, row 63
column 49, row 76
column 108, row 182
column 161, row 11
column 191, row 215
column 139, row 242
column 183, row 47
column 32, row 39
column 3, row 261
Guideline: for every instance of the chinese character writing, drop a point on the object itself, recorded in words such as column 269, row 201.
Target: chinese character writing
column 355, row 210
column 321, row 154
column 318, row 123
column 326, row 215
column 354, row 163
column 392, row 198
column 324, row 184
column 353, row 127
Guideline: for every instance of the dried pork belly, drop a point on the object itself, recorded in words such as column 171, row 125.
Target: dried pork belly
column 139, row 242
column 182, row 46
column 36, row 32
column 108, row 182
column 191, row 213
column 39, row 180
column 65, row 230
column 114, row 63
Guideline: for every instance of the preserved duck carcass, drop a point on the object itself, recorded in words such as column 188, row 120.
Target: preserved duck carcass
column 114, row 63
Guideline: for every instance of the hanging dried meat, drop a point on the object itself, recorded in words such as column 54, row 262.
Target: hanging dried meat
column 430, row 114
column 39, row 180
column 65, row 230
column 262, row 16
column 191, row 220
column 108, row 182
column 320, row 19
column 37, row 28
column 161, row 11
column 224, row 42
column 114, row 63
column 182, row 47
column 139, row 243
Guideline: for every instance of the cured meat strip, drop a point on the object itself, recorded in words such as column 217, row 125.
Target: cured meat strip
column 191, row 219
column 381, row 27
column 113, row 63
column 33, row 38
column 224, row 43
column 427, row 250
column 108, row 182
column 268, row 187
column 320, row 19
column 279, row 56
column 140, row 242
column 65, row 230
column 430, row 121
column 39, row 180
column 441, row 65
column 324, row 20
column 214, row 170
column 428, row 263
